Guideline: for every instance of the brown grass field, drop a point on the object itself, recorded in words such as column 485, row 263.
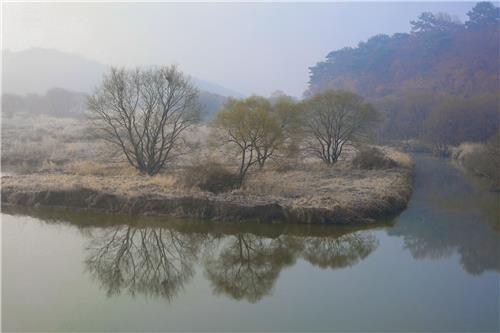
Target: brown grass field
column 41, row 154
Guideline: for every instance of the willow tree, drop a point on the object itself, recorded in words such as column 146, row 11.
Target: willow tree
column 250, row 127
column 333, row 119
column 144, row 113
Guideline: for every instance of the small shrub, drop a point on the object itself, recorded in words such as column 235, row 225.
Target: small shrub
column 482, row 160
column 372, row 158
column 211, row 177
column 164, row 181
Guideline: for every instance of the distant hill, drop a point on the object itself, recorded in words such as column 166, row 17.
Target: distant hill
column 38, row 70
column 440, row 54
column 48, row 81
column 215, row 88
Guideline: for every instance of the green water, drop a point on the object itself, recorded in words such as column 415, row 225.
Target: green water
column 434, row 268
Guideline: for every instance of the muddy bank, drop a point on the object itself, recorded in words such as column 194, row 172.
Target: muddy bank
column 91, row 219
column 203, row 207
column 383, row 203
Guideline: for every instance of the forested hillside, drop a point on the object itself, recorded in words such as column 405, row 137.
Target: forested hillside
column 440, row 82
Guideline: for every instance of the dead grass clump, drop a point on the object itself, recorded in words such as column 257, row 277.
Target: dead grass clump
column 404, row 160
column 164, row 181
column 86, row 168
column 284, row 165
column 372, row 158
column 94, row 168
column 274, row 183
column 210, row 176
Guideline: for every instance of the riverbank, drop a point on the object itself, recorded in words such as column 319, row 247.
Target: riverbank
column 480, row 160
column 310, row 193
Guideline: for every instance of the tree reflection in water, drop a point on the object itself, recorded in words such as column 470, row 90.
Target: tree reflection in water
column 451, row 215
column 343, row 251
column 157, row 261
column 149, row 261
column 248, row 265
column 439, row 236
column 157, row 257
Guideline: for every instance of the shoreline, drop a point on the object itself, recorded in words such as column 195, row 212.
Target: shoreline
column 374, row 205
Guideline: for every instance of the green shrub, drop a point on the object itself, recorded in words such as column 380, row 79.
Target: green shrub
column 211, row 177
column 372, row 158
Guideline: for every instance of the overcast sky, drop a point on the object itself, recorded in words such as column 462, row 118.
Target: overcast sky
column 251, row 48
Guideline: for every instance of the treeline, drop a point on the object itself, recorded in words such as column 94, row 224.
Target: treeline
column 58, row 102
column 438, row 83
column 439, row 120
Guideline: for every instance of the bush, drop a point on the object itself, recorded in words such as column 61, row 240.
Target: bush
column 211, row 177
column 482, row 159
column 372, row 158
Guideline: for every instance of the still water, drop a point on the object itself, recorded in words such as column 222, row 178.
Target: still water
column 434, row 268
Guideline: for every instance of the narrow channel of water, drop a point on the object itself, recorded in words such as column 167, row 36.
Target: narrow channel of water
column 434, row 268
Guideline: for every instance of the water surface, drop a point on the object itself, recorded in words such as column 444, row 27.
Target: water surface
column 434, row 268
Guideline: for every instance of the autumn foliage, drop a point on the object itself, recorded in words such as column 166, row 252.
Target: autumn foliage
column 439, row 82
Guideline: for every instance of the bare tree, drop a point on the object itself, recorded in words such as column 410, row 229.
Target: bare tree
column 334, row 118
column 144, row 113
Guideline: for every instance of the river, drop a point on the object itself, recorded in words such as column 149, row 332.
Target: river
column 434, row 268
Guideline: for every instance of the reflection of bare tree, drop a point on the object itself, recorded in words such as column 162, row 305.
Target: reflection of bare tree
column 158, row 258
column 248, row 265
column 343, row 251
column 150, row 261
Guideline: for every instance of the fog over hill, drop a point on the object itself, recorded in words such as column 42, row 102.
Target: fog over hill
column 56, row 82
column 38, row 70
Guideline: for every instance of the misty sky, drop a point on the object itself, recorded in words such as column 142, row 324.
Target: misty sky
column 251, row 48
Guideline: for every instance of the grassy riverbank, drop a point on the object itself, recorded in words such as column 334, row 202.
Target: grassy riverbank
column 308, row 192
column 480, row 160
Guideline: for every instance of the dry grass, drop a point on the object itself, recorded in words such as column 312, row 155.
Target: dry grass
column 30, row 143
column 47, row 144
column 65, row 157
column 311, row 184
column 466, row 149
column 329, row 187
column 402, row 159
column 129, row 186
column 481, row 160
column 86, row 168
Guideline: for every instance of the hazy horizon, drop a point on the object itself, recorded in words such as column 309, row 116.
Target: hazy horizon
column 237, row 45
